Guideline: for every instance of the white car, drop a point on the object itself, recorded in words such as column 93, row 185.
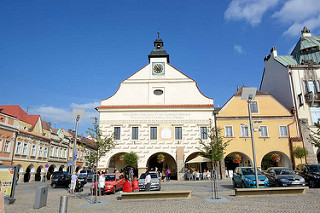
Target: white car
column 155, row 181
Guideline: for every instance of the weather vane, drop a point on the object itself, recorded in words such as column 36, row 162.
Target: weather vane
column 158, row 34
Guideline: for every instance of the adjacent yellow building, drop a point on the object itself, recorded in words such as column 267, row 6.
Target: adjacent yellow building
column 275, row 132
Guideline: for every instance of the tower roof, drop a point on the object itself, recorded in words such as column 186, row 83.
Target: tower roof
column 158, row 52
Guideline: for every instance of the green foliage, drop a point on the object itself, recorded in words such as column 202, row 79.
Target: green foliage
column 215, row 148
column 300, row 152
column 102, row 144
column 130, row 159
column 315, row 135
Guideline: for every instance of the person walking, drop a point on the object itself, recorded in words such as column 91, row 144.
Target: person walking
column 102, row 184
column 147, row 181
column 74, row 179
column 168, row 172
column 135, row 184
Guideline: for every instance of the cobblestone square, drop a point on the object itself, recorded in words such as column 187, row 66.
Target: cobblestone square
column 25, row 194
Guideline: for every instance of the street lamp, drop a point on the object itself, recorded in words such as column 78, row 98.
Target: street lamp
column 77, row 114
column 248, row 94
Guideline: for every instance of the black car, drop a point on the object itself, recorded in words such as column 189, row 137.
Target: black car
column 311, row 174
column 281, row 176
column 60, row 179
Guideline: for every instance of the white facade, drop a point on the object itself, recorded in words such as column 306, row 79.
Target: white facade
column 160, row 102
column 287, row 78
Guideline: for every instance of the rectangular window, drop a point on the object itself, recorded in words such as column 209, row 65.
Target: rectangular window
column 311, row 87
column 315, row 114
column 263, row 131
column 153, row 133
column 65, row 153
column 25, row 149
column 283, row 131
column 305, row 86
column 18, row 148
column 178, row 133
column 45, row 152
column 117, row 132
column 56, row 152
column 135, row 133
column 1, row 144
column 318, row 85
column 6, row 147
column 203, row 133
column 228, row 131
column 40, row 152
column 254, row 106
column 244, row 131
column 33, row 150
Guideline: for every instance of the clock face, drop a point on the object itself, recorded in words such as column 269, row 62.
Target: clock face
column 158, row 68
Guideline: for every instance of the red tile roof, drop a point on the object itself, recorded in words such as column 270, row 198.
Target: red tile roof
column 18, row 112
column 45, row 125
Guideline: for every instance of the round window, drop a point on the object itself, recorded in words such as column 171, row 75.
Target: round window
column 158, row 92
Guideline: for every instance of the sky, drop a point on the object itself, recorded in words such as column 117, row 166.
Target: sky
column 56, row 56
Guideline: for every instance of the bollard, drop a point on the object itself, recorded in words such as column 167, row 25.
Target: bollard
column 63, row 204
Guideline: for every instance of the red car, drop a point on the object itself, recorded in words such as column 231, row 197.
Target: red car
column 114, row 182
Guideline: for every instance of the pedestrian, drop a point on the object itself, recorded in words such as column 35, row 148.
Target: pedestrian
column 74, row 179
column 168, row 172
column 127, row 186
column 106, row 171
column 147, row 181
column 135, row 184
column 115, row 170
column 102, row 184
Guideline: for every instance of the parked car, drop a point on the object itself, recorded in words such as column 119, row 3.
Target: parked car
column 83, row 175
column 155, row 181
column 114, row 182
column 59, row 179
column 90, row 177
column 311, row 173
column 245, row 177
column 280, row 176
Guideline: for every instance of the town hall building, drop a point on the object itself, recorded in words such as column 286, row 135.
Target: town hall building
column 157, row 110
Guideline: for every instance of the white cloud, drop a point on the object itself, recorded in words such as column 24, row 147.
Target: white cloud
column 297, row 10
column 54, row 114
column 297, row 14
column 250, row 10
column 238, row 48
column 85, row 106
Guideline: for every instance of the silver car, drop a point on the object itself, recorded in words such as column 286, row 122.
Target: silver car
column 280, row 176
column 155, row 181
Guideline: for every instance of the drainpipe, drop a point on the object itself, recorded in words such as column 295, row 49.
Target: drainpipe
column 290, row 145
column 296, row 113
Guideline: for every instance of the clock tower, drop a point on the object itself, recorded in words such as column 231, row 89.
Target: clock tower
column 158, row 52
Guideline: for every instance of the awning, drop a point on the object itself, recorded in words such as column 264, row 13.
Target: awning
column 199, row 159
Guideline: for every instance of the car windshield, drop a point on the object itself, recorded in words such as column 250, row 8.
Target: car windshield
column 153, row 175
column 284, row 172
column 314, row 168
column 110, row 177
column 249, row 171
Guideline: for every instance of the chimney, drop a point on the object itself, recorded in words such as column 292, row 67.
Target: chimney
column 305, row 32
column 274, row 52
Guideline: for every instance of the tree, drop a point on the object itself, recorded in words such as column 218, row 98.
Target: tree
column 300, row 152
column 315, row 135
column 214, row 150
column 102, row 144
column 130, row 159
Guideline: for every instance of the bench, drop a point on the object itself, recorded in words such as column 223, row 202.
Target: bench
column 270, row 191
column 155, row 195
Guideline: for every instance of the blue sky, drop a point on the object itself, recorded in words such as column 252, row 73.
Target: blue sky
column 60, row 55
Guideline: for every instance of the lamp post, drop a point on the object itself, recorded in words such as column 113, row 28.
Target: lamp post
column 249, row 94
column 77, row 114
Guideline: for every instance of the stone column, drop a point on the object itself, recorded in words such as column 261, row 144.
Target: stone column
column 180, row 162
column 21, row 177
column 141, row 170
column 32, row 176
column 43, row 176
column 223, row 169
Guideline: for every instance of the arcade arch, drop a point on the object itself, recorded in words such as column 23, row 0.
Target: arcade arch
column 37, row 176
column 197, row 166
column 267, row 161
column 169, row 162
column 51, row 169
column 30, row 169
column 231, row 162
column 115, row 162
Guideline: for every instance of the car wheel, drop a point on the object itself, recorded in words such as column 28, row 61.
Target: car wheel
column 114, row 190
column 312, row 184
column 54, row 185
